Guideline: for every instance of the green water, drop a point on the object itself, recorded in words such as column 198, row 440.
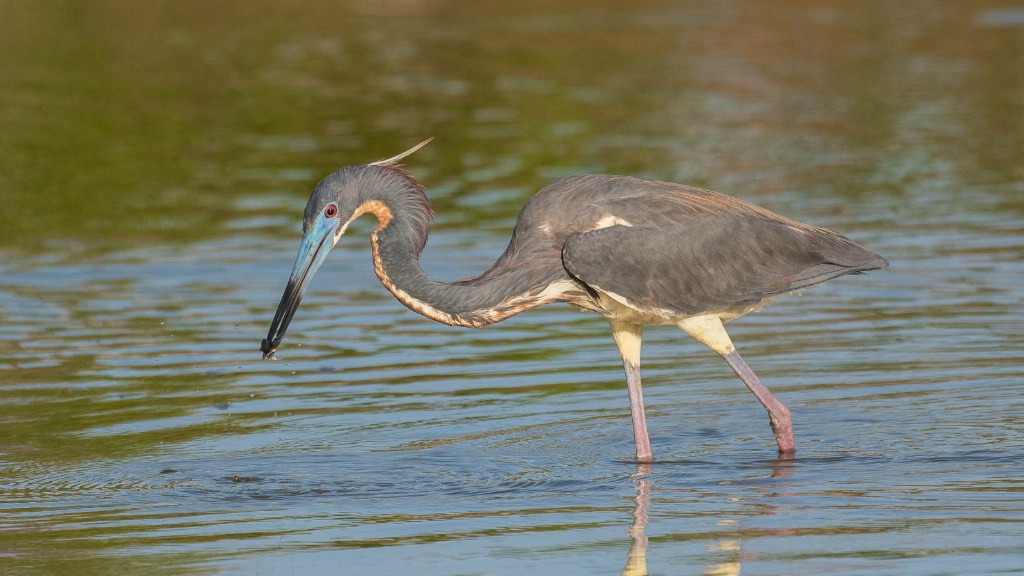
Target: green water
column 154, row 162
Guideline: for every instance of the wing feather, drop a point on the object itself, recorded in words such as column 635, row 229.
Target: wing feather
column 711, row 262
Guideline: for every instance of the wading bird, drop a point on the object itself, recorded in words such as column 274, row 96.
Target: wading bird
column 638, row 252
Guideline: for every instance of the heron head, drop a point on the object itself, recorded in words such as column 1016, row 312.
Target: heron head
column 336, row 201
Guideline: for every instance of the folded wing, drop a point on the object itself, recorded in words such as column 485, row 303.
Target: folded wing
column 711, row 262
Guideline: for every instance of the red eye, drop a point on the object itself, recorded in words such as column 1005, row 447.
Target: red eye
column 331, row 211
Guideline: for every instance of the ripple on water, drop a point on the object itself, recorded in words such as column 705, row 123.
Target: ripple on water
column 140, row 428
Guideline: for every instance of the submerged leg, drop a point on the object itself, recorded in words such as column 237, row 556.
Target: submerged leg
column 709, row 330
column 627, row 338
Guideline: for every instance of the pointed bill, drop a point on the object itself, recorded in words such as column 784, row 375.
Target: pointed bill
column 316, row 243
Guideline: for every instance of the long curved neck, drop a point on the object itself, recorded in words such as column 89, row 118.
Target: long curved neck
column 505, row 289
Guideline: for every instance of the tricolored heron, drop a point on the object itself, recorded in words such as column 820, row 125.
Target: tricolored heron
column 638, row 252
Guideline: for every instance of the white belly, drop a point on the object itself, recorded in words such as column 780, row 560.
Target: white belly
column 619, row 309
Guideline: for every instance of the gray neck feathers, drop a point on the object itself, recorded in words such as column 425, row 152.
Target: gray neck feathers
column 503, row 290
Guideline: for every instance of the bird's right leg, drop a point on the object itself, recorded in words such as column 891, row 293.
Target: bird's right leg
column 708, row 329
column 627, row 338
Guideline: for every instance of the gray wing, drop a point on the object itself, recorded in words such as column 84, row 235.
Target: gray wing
column 711, row 263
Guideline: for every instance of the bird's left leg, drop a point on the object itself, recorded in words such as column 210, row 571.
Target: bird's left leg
column 627, row 338
column 709, row 330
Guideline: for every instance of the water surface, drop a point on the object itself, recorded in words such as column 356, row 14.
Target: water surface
column 156, row 159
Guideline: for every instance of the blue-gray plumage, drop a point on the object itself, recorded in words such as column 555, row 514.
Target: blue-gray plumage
column 638, row 252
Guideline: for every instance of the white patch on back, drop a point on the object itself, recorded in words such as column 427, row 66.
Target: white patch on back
column 609, row 220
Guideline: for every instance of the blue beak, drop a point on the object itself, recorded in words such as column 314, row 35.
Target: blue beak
column 316, row 243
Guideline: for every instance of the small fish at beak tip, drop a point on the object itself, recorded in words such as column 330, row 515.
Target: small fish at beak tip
column 268, row 352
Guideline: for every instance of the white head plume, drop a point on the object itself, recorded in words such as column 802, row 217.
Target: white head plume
column 395, row 159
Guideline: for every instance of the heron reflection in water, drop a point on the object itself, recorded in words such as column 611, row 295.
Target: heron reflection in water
column 638, row 252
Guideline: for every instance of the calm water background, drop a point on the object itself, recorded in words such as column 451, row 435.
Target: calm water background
column 154, row 161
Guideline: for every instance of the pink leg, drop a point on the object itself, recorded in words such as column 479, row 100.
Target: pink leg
column 636, row 408
column 778, row 415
